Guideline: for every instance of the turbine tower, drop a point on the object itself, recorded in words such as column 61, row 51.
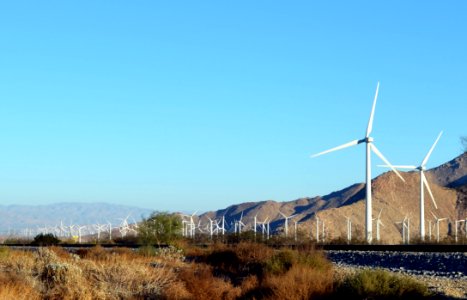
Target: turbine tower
column 287, row 222
column 438, row 220
column 368, row 140
column 378, row 224
column 423, row 184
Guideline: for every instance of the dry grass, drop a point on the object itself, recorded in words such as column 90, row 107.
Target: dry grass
column 242, row 271
column 299, row 282
column 55, row 274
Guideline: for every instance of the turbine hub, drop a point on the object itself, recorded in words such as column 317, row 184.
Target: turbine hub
column 369, row 139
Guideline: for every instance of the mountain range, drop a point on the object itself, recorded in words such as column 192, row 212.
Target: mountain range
column 396, row 199
column 15, row 217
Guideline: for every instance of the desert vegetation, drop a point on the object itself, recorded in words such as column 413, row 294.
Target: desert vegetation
column 244, row 270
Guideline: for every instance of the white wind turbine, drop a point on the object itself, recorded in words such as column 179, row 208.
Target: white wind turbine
column 240, row 224
column 349, row 230
column 423, row 184
column 317, row 229
column 80, row 234
column 287, row 222
column 110, row 230
column 378, row 224
column 295, row 230
column 211, row 227
column 100, row 228
column 437, row 225
column 192, row 224
column 222, row 227
column 405, row 230
column 368, row 140
column 254, row 226
column 264, row 225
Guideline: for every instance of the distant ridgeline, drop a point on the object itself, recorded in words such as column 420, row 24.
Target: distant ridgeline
column 16, row 217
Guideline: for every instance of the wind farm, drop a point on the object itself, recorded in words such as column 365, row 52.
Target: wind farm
column 233, row 150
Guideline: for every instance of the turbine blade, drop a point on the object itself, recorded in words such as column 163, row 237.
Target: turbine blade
column 370, row 122
column 436, row 218
column 380, row 155
column 425, row 160
column 399, row 167
column 349, row 144
column 379, row 215
column 422, row 175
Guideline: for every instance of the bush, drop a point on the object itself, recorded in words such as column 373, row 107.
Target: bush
column 280, row 262
column 380, row 284
column 45, row 240
column 4, row 252
column 160, row 228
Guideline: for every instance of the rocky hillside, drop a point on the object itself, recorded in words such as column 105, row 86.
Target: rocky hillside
column 396, row 199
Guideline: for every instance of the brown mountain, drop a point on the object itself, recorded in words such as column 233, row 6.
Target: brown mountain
column 396, row 199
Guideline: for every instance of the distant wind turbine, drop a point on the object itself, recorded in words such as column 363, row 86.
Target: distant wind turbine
column 286, row 222
column 368, row 140
column 438, row 220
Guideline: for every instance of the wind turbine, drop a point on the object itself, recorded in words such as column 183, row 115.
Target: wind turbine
column 423, row 184
column 368, row 140
column 378, row 223
column 192, row 225
column 110, row 230
column 211, row 227
column 437, row 225
column 324, row 233
column 223, row 225
column 263, row 227
column 80, row 233
column 317, row 229
column 240, row 224
column 295, row 230
column 254, row 226
column 287, row 222
column 99, row 228
column 349, row 230
column 405, row 230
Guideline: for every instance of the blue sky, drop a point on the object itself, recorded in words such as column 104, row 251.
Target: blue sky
column 200, row 105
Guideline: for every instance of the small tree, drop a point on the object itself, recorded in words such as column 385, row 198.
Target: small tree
column 160, row 228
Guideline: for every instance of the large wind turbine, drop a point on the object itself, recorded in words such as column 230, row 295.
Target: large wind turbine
column 368, row 140
column 423, row 184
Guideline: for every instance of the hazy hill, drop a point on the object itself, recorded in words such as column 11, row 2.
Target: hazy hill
column 22, row 216
column 395, row 198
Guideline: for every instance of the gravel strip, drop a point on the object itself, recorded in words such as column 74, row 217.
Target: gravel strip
column 443, row 273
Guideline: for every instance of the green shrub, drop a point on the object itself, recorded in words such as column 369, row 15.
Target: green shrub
column 147, row 251
column 280, row 262
column 45, row 240
column 380, row 284
column 315, row 260
column 4, row 252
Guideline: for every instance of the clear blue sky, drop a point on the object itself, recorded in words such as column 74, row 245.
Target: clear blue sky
column 200, row 105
